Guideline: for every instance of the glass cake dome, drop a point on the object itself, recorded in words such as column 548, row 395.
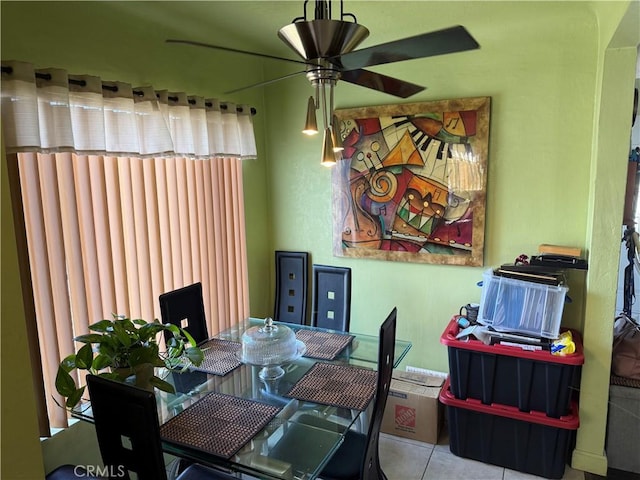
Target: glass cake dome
column 270, row 346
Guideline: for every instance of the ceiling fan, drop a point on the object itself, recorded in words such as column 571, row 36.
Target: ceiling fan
column 327, row 48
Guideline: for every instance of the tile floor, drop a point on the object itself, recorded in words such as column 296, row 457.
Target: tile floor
column 404, row 459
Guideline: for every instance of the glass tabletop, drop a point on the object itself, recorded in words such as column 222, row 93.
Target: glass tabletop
column 320, row 424
column 362, row 351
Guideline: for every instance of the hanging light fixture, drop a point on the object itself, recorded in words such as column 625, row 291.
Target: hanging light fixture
column 328, row 154
column 337, row 143
column 324, row 78
column 311, row 125
column 317, row 41
column 327, row 46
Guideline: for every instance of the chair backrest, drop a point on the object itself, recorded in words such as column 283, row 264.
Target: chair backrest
column 371, row 469
column 292, row 273
column 184, row 307
column 331, row 298
column 127, row 428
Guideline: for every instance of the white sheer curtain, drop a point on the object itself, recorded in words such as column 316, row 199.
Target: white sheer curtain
column 50, row 109
column 126, row 193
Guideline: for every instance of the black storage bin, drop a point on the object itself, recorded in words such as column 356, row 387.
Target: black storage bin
column 530, row 442
column 507, row 375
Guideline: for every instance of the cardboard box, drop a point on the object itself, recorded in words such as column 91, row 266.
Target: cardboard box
column 413, row 410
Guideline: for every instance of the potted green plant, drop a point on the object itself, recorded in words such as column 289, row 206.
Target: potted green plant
column 127, row 350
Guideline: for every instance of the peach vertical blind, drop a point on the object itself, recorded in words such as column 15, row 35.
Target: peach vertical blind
column 127, row 193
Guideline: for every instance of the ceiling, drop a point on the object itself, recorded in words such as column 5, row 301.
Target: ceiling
column 253, row 24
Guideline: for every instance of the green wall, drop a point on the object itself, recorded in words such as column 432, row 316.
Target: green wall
column 542, row 88
column 557, row 153
column 19, row 435
column 556, row 173
column 613, row 100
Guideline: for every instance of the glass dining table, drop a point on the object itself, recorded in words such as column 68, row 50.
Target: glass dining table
column 231, row 415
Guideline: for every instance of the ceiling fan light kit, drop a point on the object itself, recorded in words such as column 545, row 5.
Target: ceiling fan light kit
column 328, row 153
column 327, row 48
column 337, row 143
column 311, row 125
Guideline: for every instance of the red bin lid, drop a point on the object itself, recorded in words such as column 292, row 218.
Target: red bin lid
column 449, row 339
column 567, row 422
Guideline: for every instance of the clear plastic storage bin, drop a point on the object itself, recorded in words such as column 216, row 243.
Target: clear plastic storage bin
column 512, row 305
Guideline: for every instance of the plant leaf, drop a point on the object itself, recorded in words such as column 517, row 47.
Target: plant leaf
column 162, row 385
column 175, row 364
column 91, row 338
column 146, row 354
column 127, row 323
column 69, row 363
column 101, row 326
column 195, row 355
column 121, row 374
column 122, row 334
column 188, row 336
column 101, row 361
column 109, row 346
column 150, row 330
column 65, row 384
column 84, row 357
column 173, row 329
column 75, row 397
column 158, row 362
column 175, row 352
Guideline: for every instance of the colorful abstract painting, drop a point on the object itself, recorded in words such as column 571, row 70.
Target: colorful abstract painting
column 411, row 185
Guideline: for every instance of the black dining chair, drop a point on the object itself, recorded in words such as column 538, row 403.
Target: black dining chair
column 292, row 273
column 184, row 307
column 357, row 458
column 128, row 432
column 331, row 298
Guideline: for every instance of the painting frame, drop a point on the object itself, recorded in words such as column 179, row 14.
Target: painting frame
column 411, row 184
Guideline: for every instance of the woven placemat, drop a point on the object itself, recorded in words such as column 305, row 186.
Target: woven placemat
column 218, row 424
column 219, row 356
column 337, row 385
column 624, row 381
column 323, row 345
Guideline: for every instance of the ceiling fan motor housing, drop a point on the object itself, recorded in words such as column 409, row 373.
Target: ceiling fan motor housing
column 323, row 38
column 328, row 50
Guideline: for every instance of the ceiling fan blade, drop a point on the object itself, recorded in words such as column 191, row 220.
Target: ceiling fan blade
column 266, row 82
column 234, row 50
column 382, row 83
column 449, row 40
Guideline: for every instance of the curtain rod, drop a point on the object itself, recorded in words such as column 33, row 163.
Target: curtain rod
column 113, row 88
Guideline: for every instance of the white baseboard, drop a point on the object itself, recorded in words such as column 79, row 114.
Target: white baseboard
column 426, row 371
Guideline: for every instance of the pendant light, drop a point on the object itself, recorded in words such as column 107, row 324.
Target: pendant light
column 324, row 79
column 337, row 144
column 328, row 154
column 311, row 125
